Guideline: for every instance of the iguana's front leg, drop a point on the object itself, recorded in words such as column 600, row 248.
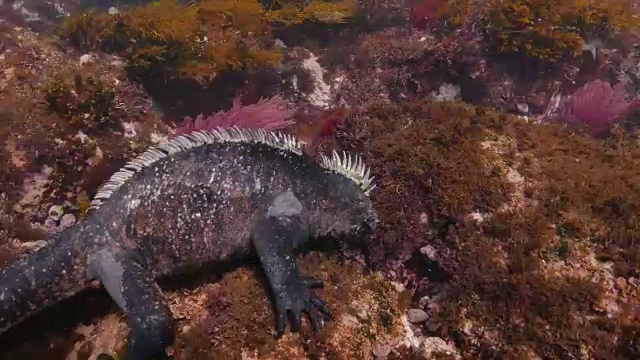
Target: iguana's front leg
column 275, row 238
column 132, row 286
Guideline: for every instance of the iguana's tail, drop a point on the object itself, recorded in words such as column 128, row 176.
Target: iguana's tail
column 45, row 277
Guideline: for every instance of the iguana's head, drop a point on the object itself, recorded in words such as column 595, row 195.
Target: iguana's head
column 335, row 194
column 343, row 209
column 345, row 215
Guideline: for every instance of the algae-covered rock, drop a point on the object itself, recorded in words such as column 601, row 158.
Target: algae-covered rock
column 233, row 318
column 508, row 238
column 62, row 128
column 529, row 227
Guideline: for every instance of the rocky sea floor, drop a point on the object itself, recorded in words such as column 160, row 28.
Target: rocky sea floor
column 509, row 229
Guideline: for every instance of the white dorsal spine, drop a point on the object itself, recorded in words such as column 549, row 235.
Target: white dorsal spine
column 350, row 166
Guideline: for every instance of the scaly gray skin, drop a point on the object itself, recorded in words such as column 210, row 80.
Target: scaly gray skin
column 200, row 198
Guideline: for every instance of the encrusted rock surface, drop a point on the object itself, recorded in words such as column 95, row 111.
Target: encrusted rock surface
column 503, row 234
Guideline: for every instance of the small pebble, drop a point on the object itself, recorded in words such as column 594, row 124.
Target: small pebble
column 417, row 316
column 55, row 212
column 523, row 108
column 381, row 351
column 280, row 44
column 424, row 218
column 429, row 252
column 129, row 130
column 117, row 63
column 34, row 245
column 67, row 220
column 621, row 283
column 50, row 224
column 86, row 59
column 113, row 11
column 447, row 92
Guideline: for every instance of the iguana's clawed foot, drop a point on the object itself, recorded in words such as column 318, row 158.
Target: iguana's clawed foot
column 297, row 298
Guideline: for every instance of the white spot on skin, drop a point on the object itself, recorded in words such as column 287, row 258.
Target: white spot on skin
column 258, row 185
column 133, row 204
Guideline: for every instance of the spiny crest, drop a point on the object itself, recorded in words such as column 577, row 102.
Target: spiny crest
column 352, row 167
column 189, row 141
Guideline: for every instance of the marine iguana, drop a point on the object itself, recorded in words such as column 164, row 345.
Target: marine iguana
column 201, row 197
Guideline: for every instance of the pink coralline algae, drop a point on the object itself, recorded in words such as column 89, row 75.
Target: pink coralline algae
column 424, row 11
column 268, row 114
column 596, row 106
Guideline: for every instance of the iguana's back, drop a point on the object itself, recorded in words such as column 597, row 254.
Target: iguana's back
column 200, row 204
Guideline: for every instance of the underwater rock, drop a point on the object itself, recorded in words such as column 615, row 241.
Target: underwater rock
column 508, row 208
column 232, row 319
column 429, row 251
column 37, row 15
column 56, row 212
column 34, row 188
column 129, row 130
column 279, row 44
column 67, row 220
column 381, row 351
column 86, row 59
column 321, row 95
column 417, row 316
column 435, row 346
column 447, row 92
column 50, row 225
column 523, row 108
column 33, row 245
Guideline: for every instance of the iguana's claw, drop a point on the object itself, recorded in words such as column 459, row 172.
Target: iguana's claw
column 296, row 299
